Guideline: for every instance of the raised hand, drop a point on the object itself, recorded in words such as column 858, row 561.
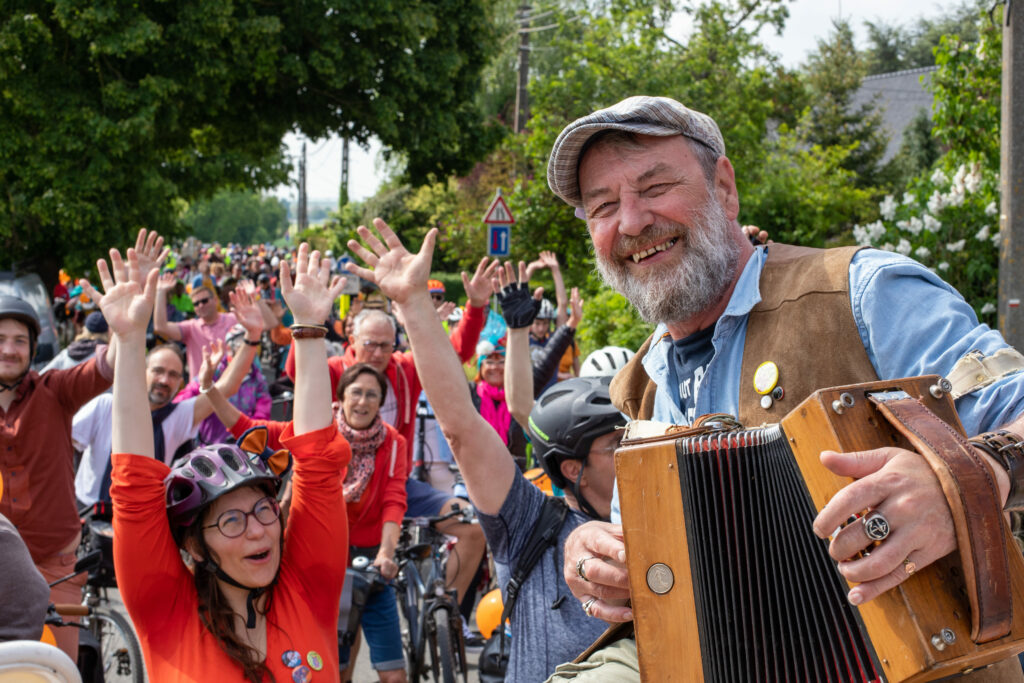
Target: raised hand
column 575, row 308
column 166, row 282
column 246, row 311
column 445, row 310
column 399, row 273
column 212, row 355
column 150, row 250
column 313, row 292
column 479, row 287
column 549, row 259
column 518, row 307
column 248, row 286
column 127, row 301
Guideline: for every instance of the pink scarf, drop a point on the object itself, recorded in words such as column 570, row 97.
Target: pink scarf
column 494, row 409
column 364, row 443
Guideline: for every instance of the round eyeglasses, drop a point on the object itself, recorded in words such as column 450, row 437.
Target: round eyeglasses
column 233, row 523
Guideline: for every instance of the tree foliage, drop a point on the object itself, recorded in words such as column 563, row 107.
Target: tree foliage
column 239, row 217
column 893, row 47
column 113, row 110
column 834, row 74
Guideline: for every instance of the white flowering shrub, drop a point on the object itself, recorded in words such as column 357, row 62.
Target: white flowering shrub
column 948, row 219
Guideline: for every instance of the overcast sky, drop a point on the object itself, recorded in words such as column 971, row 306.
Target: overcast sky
column 809, row 20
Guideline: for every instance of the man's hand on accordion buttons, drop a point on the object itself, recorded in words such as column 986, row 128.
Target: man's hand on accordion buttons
column 901, row 486
column 595, row 570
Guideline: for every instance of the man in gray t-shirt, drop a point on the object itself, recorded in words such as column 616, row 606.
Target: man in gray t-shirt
column 548, row 627
column 573, row 429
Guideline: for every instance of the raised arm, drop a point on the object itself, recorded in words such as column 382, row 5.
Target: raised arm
column 310, row 298
column 161, row 325
column 519, row 309
column 485, row 463
column 127, row 303
column 248, row 316
column 550, row 259
column 209, row 393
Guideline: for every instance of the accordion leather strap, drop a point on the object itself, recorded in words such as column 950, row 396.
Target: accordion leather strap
column 973, row 499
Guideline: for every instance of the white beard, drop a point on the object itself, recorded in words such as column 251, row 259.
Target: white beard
column 691, row 287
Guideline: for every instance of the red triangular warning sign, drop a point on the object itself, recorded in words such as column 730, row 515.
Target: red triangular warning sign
column 499, row 214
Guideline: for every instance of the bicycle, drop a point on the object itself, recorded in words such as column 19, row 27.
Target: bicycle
column 108, row 651
column 429, row 607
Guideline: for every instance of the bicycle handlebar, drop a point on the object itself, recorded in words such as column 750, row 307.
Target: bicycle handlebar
column 467, row 513
column 72, row 610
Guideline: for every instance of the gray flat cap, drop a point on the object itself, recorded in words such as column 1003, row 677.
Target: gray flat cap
column 642, row 115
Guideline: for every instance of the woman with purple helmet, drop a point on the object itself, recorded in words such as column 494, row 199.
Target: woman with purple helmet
column 259, row 602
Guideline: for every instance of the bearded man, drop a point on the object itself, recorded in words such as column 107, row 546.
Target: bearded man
column 652, row 181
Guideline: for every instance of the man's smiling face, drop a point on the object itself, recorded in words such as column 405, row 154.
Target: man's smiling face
column 661, row 235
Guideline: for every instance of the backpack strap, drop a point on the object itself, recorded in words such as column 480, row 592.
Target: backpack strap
column 545, row 533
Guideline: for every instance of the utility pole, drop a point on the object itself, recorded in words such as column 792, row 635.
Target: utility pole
column 1011, row 178
column 301, row 219
column 343, row 195
column 522, row 97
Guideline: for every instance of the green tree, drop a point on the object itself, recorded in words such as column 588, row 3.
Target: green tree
column 114, row 110
column 834, row 74
column 240, row 217
column 894, row 48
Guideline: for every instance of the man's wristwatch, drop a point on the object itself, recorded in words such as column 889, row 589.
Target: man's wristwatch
column 1007, row 449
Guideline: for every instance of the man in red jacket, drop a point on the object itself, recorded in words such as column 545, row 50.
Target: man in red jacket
column 373, row 342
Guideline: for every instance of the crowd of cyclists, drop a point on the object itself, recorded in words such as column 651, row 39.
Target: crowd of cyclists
column 327, row 419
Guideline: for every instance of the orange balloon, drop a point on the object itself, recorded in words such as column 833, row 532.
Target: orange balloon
column 488, row 612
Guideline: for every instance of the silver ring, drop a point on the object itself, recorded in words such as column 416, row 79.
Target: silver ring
column 876, row 526
column 588, row 605
column 580, row 571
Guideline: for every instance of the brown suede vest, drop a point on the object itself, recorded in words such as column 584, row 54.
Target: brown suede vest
column 804, row 324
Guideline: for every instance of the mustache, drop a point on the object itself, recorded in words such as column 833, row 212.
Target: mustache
column 656, row 234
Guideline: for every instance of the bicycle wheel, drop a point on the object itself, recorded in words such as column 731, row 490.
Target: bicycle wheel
column 446, row 663
column 120, row 654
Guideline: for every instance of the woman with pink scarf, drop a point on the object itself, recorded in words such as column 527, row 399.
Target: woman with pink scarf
column 490, row 392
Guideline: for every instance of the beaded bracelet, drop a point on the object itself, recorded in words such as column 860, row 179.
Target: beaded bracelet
column 1006, row 448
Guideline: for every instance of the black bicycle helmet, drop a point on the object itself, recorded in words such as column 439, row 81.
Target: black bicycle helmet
column 564, row 422
column 22, row 311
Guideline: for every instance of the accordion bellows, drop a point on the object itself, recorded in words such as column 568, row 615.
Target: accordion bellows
column 730, row 584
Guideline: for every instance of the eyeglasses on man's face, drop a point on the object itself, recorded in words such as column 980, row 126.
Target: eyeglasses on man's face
column 202, row 302
column 233, row 523
column 372, row 346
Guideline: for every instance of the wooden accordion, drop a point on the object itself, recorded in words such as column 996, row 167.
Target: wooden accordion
column 729, row 583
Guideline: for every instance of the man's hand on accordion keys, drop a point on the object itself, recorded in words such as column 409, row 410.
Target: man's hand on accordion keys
column 594, row 566
column 901, row 486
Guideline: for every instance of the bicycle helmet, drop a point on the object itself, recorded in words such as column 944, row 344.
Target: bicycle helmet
column 435, row 286
column 547, row 310
column 20, row 310
column 605, row 362
column 564, row 422
column 210, row 472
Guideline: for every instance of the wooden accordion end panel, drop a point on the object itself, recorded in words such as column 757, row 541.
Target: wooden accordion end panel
column 730, row 584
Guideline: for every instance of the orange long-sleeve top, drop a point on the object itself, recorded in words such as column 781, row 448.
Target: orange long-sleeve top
column 159, row 592
column 384, row 499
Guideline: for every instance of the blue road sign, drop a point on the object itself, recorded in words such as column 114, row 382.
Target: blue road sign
column 498, row 240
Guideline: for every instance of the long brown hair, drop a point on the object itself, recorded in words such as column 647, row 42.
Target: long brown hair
column 216, row 613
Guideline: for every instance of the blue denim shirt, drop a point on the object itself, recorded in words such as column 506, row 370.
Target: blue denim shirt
column 910, row 321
